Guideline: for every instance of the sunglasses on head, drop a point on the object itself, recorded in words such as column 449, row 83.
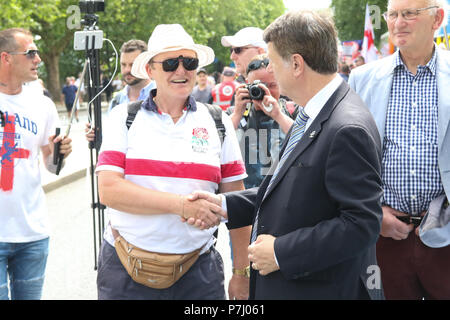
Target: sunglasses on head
column 171, row 65
column 29, row 53
column 257, row 64
column 238, row 50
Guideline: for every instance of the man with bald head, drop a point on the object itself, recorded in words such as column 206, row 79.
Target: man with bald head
column 406, row 95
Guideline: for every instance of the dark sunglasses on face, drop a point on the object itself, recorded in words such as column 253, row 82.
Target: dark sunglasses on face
column 29, row 53
column 171, row 65
column 257, row 64
column 238, row 50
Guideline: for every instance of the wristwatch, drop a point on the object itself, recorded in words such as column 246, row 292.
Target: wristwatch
column 242, row 272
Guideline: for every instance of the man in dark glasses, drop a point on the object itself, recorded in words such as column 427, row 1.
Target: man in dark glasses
column 244, row 45
column 28, row 122
column 265, row 131
column 146, row 173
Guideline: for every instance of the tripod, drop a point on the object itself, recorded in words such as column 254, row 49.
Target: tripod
column 91, row 37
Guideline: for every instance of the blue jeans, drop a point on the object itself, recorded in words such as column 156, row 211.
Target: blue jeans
column 25, row 264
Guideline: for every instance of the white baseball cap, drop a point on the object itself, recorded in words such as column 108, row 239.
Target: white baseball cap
column 166, row 38
column 244, row 37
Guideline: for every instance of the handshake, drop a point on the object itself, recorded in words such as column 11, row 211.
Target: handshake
column 202, row 209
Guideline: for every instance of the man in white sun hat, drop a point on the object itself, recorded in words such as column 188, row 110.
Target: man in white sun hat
column 146, row 173
column 244, row 45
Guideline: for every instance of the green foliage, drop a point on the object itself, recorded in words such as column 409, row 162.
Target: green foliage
column 349, row 16
column 206, row 20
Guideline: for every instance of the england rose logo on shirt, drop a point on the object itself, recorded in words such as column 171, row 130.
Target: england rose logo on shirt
column 200, row 138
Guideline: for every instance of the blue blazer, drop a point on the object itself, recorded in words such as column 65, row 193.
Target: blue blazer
column 373, row 83
column 323, row 207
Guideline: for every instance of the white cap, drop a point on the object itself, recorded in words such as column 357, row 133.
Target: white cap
column 166, row 38
column 245, row 37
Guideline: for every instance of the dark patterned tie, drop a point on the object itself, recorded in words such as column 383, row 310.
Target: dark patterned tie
column 297, row 132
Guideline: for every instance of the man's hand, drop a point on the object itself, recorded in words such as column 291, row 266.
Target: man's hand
column 269, row 102
column 242, row 97
column 90, row 132
column 238, row 288
column 391, row 227
column 262, row 254
column 65, row 147
column 201, row 213
column 211, row 198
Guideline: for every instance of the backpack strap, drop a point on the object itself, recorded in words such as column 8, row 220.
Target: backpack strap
column 133, row 108
column 216, row 113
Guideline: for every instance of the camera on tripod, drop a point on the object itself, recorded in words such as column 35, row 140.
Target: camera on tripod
column 91, row 6
column 90, row 38
column 256, row 92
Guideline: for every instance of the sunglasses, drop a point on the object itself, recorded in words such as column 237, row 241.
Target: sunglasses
column 257, row 64
column 171, row 65
column 238, row 50
column 31, row 54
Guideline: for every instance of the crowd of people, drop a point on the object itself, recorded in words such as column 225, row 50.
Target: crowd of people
column 320, row 170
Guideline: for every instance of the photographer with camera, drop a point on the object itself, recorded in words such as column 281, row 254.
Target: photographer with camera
column 259, row 114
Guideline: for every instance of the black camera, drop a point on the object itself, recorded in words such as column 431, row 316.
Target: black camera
column 92, row 6
column 256, row 93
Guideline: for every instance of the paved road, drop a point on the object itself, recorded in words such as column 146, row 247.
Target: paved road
column 70, row 268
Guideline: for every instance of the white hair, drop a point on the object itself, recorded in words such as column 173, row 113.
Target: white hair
column 439, row 3
column 430, row 3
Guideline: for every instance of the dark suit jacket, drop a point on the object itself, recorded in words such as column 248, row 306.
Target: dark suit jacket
column 323, row 208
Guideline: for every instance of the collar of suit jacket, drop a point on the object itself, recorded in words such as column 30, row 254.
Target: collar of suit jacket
column 315, row 105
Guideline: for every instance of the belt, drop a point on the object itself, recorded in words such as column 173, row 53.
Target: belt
column 411, row 220
column 116, row 234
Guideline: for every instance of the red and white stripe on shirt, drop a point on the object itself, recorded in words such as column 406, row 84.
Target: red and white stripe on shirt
column 178, row 158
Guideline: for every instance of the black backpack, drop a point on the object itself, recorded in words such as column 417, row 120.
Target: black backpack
column 214, row 111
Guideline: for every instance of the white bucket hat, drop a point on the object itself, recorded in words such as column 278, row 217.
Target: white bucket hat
column 245, row 37
column 166, row 38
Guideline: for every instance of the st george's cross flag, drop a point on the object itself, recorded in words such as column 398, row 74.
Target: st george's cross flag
column 369, row 51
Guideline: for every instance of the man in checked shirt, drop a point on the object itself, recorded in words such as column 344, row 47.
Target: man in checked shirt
column 407, row 94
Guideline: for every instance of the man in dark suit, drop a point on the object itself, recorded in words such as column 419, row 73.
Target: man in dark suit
column 317, row 218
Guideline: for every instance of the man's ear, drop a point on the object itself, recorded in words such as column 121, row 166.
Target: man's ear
column 297, row 64
column 438, row 19
column 4, row 58
column 148, row 68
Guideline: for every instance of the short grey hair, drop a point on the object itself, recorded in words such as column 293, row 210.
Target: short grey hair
column 312, row 35
column 7, row 38
column 430, row 3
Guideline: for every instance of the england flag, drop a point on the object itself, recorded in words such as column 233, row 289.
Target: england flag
column 369, row 51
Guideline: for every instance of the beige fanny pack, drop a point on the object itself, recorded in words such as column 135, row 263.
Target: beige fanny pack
column 154, row 270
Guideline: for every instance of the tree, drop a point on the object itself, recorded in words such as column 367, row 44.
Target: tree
column 206, row 20
column 349, row 18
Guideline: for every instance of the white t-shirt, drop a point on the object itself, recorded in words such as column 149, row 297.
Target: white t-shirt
column 32, row 118
column 178, row 158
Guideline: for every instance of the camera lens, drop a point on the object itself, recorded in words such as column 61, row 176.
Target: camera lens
column 256, row 93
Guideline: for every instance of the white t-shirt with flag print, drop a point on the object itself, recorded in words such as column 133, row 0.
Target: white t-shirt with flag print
column 31, row 119
column 177, row 158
